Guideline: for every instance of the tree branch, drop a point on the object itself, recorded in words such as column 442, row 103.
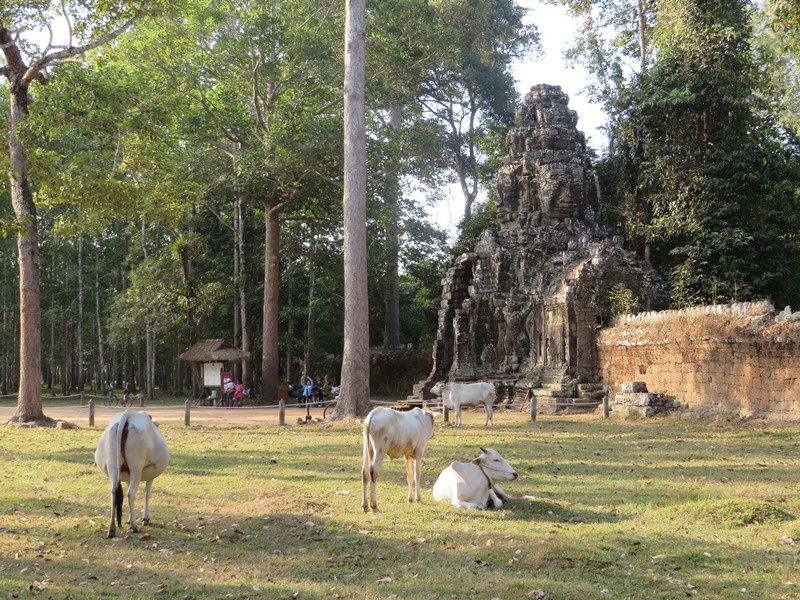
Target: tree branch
column 219, row 217
column 13, row 56
column 69, row 23
column 35, row 69
column 257, row 95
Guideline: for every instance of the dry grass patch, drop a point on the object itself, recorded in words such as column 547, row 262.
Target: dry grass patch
column 602, row 510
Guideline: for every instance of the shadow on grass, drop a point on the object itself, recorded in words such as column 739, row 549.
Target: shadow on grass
column 277, row 555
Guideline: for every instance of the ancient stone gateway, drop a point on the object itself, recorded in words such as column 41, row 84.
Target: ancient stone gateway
column 524, row 308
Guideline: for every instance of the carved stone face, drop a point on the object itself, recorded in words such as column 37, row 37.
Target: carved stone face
column 507, row 192
column 556, row 199
column 543, row 177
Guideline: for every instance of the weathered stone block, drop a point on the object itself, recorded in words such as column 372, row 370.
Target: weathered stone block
column 634, row 387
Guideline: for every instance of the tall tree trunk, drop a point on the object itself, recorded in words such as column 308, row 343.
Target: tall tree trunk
column 80, row 313
column 354, row 398
column 51, row 380
column 391, row 327
column 308, row 359
column 6, row 344
column 270, row 362
column 66, row 360
column 642, row 23
column 289, row 328
column 641, row 26
column 149, row 366
column 242, row 285
column 29, row 402
column 236, row 297
column 101, row 367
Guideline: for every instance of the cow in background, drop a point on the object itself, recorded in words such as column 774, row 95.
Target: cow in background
column 456, row 395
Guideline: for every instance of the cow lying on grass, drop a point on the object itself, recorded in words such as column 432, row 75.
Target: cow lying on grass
column 472, row 484
column 132, row 449
column 456, row 395
column 388, row 432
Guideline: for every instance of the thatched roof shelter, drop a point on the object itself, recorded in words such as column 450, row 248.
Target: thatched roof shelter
column 214, row 350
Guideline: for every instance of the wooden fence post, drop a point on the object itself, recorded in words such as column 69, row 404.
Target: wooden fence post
column 82, row 400
column 91, row 412
column 534, row 403
column 605, row 406
column 187, row 413
column 282, row 412
column 141, row 400
column 446, row 415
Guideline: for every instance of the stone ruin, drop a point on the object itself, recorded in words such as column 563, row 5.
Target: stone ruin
column 525, row 307
column 634, row 400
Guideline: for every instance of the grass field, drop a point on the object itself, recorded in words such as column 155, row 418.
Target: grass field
column 659, row 509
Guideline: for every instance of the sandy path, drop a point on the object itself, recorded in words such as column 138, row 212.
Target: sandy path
column 201, row 415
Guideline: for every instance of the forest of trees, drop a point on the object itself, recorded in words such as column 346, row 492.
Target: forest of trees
column 176, row 168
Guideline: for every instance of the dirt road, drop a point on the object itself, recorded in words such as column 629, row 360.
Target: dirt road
column 200, row 415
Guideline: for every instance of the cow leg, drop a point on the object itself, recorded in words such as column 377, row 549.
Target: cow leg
column 377, row 461
column 501, row 494
column 410, row 480
column 133, row 485
column 364, row 483
column 461, row 504
column 417, row 474
column 458, row 415
column 147, row 486
column 366, row 469
column 489, row 415
column 494, row 499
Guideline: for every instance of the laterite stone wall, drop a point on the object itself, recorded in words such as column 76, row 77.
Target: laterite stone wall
column 741, row 358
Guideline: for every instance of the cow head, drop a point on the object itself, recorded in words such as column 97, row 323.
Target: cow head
column 495, row 465
column 432, row 414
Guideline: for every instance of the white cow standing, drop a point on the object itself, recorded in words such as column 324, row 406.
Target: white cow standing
column 392, row 433
column 456, row 395
column 473, row 484
column 131, row 449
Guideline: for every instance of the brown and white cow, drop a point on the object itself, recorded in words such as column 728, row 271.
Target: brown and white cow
column 389, row 432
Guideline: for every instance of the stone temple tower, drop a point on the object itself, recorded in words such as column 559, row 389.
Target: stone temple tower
column 524, row 308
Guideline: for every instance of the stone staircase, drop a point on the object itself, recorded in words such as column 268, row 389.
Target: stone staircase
column 558, row 392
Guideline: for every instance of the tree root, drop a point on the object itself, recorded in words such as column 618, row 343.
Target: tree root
column 43, row 422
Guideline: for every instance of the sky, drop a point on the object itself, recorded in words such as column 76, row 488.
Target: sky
column 557, row 29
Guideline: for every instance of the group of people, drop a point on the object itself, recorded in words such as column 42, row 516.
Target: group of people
column 234, row 392
column 307, row 391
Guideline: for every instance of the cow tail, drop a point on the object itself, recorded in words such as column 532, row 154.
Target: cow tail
column 115, row 459
column 367, row 467
column 118, row 503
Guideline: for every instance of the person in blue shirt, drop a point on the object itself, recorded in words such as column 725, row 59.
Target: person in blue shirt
column 308, row 388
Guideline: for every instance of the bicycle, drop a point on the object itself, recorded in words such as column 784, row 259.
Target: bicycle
column 110, row 398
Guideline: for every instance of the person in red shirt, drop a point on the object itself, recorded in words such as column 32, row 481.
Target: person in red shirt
column 238, row 393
